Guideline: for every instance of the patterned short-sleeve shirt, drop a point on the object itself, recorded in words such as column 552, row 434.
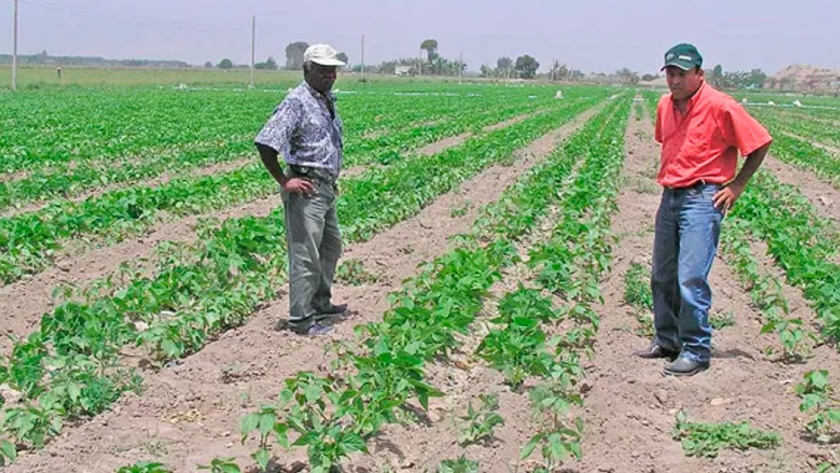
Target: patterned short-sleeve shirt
column 304, row 130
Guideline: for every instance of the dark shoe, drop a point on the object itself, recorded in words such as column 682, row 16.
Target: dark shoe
column 655, row 350
column 334, row 309
column 331, row 312
column 685, row 366
column 311, row 330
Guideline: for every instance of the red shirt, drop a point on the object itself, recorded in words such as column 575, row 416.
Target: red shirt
column 703, row 143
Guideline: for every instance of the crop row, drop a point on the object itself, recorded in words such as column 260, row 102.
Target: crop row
column 802, row 243
column 799, row 124
column 216, row 143
column 375, row 378
column 30, row 241
column 70, row 367
column 95, row 124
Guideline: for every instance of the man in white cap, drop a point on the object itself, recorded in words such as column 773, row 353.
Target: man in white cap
column 307, row 130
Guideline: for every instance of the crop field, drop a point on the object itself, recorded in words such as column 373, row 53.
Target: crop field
column 497, row 249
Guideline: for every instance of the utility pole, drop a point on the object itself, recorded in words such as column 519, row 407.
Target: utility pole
column 14, row 50
column 363, row 57
column 460, row 64
column 253, row 46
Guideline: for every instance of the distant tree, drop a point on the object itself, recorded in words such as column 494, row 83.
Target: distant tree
column 715, row 76
column 343, row 58
column 504, row 63
column 576, row 75
column 756, row 79
column 456, row 67
column 430, row 46
column 226, row 64
column 294, row 55
column 503, row 66
column 526, row 66
column 558, row 71
column 208, row 64
column 648, row 77
column 387, row 67
column 368, row 68
column 626, row 76
column 269, row 65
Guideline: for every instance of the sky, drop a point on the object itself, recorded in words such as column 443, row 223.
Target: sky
column 589, row 35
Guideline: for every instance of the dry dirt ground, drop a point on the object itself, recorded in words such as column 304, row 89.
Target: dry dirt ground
column 189, row 412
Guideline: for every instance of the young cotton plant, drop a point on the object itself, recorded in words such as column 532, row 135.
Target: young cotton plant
column 818, row 398
column 481, row 421
column 145, row 467
column 766, row 293
column 517, row 345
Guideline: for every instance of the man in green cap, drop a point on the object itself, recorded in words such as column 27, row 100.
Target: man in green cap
column 701, row 131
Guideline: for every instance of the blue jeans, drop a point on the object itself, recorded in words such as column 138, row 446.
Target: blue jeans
column 685, row 242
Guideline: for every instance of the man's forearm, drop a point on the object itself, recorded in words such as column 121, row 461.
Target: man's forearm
column 751, row 165
column 271, row 163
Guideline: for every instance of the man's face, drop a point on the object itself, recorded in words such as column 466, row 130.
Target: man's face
column 683, row 84
column 321, row 78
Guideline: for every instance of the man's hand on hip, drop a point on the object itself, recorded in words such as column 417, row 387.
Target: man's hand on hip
column 725, row 198
column 301, row 186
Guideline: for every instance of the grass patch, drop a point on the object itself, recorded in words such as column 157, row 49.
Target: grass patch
column 721, row 320
column 461, row 465
column 707, row 440
column 461, row 210
column 353, row 272
column 637, row 292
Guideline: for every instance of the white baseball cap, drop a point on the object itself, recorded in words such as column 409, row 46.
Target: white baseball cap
column 322, row 54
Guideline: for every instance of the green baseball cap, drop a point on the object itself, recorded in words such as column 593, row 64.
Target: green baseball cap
column 684, row 55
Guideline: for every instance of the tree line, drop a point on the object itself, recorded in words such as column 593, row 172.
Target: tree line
column 523, row 67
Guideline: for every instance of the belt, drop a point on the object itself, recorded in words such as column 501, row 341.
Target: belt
column 694, row 185
column 313, row 173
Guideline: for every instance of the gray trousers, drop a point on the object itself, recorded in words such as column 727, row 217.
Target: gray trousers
column 313, row 240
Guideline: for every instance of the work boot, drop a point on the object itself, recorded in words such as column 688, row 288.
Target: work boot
column 331, row 312
column 685, row 366
column 655, row 350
